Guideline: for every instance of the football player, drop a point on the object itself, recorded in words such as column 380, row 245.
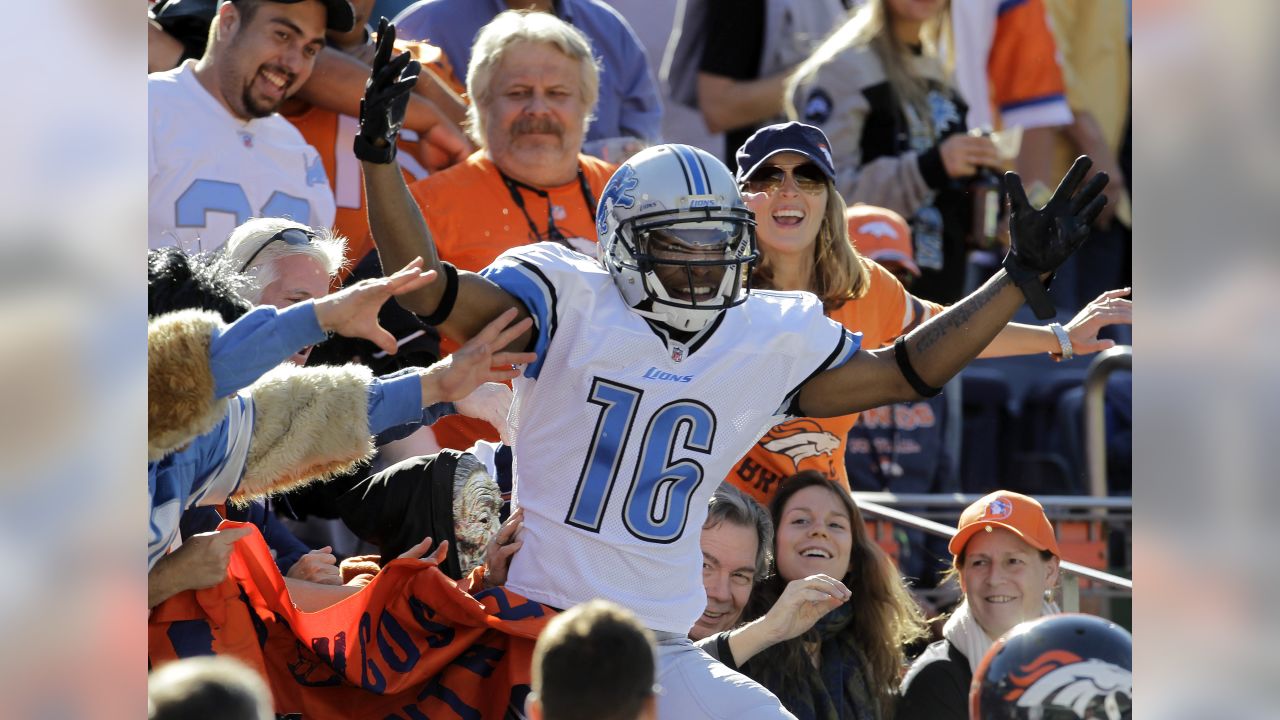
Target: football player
column 657, row 369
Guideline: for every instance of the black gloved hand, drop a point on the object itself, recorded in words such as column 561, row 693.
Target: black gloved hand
column 386, row 97
column 1041, row 240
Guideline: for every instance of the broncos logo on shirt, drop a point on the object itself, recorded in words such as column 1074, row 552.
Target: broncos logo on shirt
column 800, row 440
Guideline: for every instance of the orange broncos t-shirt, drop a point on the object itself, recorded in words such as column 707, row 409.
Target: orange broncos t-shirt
column 474, row 219
column 332, row 134
column 886, row 311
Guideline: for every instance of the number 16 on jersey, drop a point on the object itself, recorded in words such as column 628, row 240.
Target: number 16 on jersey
column 657, row 504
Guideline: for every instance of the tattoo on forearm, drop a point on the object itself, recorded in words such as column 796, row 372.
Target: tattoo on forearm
column 959, row 315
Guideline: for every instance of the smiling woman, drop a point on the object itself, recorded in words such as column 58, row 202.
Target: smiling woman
column 857, row 648
column 1006, row 558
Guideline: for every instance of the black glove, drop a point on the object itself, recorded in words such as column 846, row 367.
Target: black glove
column 386, row 97
column 1041, row 240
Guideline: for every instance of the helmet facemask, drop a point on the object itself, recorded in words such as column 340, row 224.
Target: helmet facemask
column 690, row 265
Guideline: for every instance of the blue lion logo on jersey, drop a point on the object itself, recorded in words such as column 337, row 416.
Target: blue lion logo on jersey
column 617, row 192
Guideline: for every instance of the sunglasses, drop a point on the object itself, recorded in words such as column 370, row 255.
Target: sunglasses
column 290, row 236
column 807, row 176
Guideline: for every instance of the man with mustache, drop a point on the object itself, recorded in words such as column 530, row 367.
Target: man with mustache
column 219, row 152
column 533, row 84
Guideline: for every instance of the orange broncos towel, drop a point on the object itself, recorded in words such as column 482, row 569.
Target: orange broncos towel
column 410, row 645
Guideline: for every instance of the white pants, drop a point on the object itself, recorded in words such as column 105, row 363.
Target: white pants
column 695, row 685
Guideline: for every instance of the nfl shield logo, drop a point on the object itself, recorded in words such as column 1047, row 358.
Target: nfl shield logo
column 247, row 139
column 677, row 353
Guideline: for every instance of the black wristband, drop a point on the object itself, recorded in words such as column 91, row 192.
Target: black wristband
column 904, row 364
column 369, row 152
column 1033, row 288
column 447, row 299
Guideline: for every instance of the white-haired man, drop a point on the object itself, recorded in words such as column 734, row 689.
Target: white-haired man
column 533, row 84
column 287, row 262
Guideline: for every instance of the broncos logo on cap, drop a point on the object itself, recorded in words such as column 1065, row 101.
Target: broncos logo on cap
column 878, row 228
column 1062, row 680
column 998, row 509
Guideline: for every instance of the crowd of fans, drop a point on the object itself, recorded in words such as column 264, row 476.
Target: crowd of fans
column 331, row 346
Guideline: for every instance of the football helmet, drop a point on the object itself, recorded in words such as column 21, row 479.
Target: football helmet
column 676, row 236
column 1059, row 667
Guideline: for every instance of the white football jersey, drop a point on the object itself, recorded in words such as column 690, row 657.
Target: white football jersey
column 622, row 434
column 209, row 171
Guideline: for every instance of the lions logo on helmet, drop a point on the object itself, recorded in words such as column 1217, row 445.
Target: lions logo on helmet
column 1061, row 667
column 676, row 236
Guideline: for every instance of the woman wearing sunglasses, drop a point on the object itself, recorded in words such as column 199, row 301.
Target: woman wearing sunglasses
column 786, row 176
column 879, row 89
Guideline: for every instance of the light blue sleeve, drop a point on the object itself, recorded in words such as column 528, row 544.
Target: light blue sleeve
column 259, row 341
column 528, row 283
column 396, row 400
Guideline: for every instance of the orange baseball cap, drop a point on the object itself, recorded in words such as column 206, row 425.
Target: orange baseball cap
column 1015, row 512
column 882, row 235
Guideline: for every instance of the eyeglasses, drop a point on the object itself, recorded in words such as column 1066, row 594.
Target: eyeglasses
column 808, row 177
column 291, row 236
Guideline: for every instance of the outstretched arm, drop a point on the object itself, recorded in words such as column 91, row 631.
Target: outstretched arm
column 399, row 230
column 1109, row 308
column 933, row 353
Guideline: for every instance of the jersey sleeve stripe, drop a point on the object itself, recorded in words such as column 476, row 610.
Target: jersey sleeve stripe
column 1047, row 114
column 218, row 485
column 1008, row 5
column 1028, row 102
column 528, row 284
column 846, row 347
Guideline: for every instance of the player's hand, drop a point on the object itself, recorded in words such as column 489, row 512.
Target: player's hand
column 317, row 566
column 501, row 548
column 203, row 558
column 802, row 603
column 490, row 402
column 1041, row 240
column 1110, row 308
column 386, row 98
column 353, row 311
column 454, row 377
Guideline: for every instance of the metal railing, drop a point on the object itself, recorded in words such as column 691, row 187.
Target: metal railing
column 1095, row 421
column 877, row 504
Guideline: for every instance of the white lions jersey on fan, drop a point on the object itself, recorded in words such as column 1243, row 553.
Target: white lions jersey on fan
column 621, row 436
column 209, row 171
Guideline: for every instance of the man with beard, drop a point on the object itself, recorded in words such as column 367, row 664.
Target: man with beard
column 219, row 152
column 533, row 84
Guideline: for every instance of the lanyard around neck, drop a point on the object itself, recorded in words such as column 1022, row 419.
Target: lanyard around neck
column 553, row 233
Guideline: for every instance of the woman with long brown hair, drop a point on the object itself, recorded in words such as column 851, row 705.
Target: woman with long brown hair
column 849, row 664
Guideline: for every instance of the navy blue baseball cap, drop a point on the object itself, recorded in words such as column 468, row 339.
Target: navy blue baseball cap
column 785, row 137
column 339, row 15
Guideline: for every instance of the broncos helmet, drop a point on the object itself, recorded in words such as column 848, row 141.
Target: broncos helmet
column 1059, row 667
column 676, row 236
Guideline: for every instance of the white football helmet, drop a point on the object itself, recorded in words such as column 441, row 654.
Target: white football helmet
column 676, row 236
